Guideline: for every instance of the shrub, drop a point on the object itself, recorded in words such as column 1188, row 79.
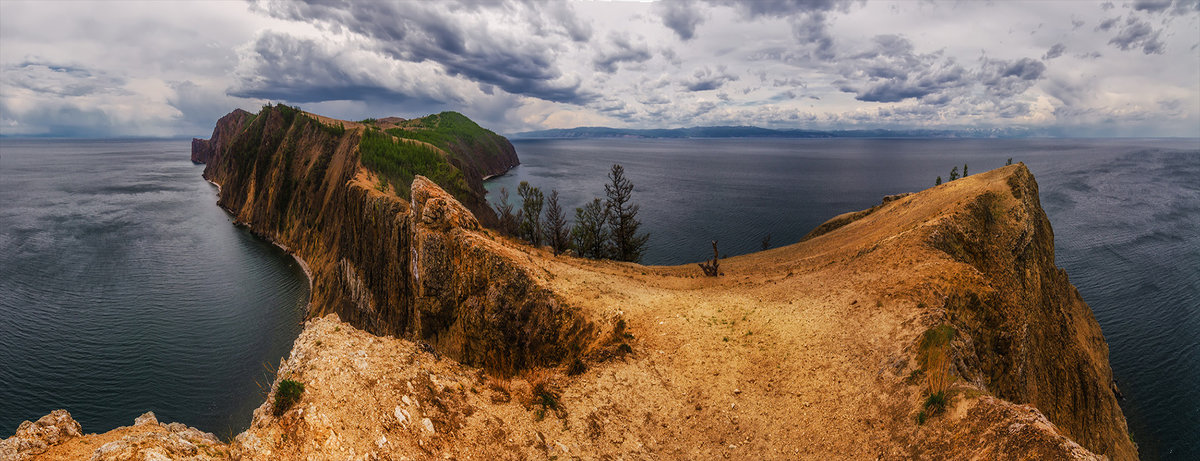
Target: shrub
column 933, row 353
column 935, row 403
column 287, row 395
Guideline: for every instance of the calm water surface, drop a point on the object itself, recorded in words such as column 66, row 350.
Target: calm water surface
column 1126, row 216
column 125, row 289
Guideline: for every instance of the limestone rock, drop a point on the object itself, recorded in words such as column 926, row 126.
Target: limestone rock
column 146, row 418
column 177, row 442
column 33, row 438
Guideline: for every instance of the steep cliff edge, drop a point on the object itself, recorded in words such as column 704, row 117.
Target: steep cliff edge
column 452, row 342
column 810, row 350
column 393, row 259
column 807, row 350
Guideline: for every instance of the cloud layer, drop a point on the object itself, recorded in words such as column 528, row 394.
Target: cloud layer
column 1078, row 68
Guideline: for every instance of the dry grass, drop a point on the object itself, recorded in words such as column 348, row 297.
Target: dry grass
column 934, row 353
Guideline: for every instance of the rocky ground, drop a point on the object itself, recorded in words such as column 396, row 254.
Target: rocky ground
column 808, row 351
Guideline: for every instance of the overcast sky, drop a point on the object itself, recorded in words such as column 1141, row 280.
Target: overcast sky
column 160, row 68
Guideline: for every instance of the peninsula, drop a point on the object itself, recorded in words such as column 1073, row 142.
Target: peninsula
column 430, row 336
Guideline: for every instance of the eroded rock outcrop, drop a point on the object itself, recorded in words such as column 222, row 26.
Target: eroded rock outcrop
column 57, row 436
column 35, row 437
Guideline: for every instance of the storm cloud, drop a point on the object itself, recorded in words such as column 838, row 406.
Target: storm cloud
column 457, row 36
column 161, row 69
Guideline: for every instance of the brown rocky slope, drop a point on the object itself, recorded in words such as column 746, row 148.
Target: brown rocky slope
column 450, row 341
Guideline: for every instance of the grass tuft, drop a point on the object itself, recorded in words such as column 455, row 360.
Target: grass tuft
column 287, row 395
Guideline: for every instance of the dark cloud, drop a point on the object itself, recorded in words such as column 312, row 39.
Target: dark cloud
column 784, row 8
column 439, row 32
column 705, row 79
column 890, row 71
column 812, row 29
column 681, row 16
column 285, row 68
column 1176, row 7
column 1010, row 78
column 624, row 50
column 1108, row 23
column 807, row 18
column 1152, row 6
column 1054, row 51
column 1139, row 34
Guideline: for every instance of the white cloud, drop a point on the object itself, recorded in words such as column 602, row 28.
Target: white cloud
column 168, row 68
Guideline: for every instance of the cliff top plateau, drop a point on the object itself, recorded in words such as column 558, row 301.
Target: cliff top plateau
column 933, row 326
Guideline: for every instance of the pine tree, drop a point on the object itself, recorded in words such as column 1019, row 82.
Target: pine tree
column 1009, row 162
column 964, row 170
column 504, row 211
column 530, row 228
column 954, row 173
column 938, row 182
column 627, row 245
column 558, row 232
column 589, row 235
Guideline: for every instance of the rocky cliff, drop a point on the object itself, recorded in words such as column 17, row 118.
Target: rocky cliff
column 431, row 337
column 420, row 268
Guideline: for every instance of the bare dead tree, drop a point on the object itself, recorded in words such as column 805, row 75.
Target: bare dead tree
column 712, row 268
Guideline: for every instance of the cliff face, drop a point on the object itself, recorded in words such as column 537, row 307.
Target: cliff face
column 449, row 341
column 420, row 268
column 1029, row 336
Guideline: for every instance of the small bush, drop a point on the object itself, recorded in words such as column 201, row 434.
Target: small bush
column 577, row 367
column 543, row 392
column 935, row 403
column 287, row 395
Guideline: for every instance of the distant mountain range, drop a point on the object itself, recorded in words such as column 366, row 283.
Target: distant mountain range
column 757, row 132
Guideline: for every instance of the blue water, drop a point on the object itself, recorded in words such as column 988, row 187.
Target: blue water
column 125, row 289
column 1126, row 216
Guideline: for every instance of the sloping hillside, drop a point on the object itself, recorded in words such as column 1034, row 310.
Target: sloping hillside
column 450, row 341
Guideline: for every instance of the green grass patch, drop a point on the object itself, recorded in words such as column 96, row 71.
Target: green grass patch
column 398, row 162
column 450, row 131
column 287, row 395
column 935, row 403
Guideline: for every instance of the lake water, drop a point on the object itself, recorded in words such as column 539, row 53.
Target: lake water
column 125, row 289
column 1126, row 216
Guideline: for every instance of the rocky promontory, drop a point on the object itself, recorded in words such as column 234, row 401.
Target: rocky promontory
column 933, row 326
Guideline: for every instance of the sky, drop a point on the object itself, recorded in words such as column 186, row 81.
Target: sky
column 171, row 68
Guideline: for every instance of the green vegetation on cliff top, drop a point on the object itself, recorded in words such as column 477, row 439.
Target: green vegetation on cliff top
column 449, row 131
column 397, row 161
